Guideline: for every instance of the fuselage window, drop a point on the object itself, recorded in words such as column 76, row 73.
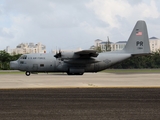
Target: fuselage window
column 23, row 57
column 41, row 65
column 21, row 62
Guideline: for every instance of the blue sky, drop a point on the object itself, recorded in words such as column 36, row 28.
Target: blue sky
column 71, row 24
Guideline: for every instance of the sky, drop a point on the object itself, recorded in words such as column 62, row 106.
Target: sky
column 73, row 24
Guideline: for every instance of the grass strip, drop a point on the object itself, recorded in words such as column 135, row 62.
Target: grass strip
column 124, row 71
column 11, row 72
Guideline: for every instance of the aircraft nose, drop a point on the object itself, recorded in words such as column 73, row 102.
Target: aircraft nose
column 14, row 65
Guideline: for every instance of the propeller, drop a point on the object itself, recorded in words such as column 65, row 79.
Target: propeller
column 58, row 54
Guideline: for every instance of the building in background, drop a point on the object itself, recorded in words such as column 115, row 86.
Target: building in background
column 153, row 41
column 25, row 48
column 65, row 51
column 154, row 44
column 112, row 46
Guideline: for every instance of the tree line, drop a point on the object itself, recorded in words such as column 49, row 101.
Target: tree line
column 5, row 59
column 140, row 62
column 135, row 62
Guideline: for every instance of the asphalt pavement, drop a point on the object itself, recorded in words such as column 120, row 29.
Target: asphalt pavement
column 80, row 104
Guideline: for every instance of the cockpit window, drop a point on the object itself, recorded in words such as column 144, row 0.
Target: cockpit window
column 23, row 57
column 21, row 62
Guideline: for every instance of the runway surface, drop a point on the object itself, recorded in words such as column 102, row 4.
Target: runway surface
column 80, row 104
column 101, row 96
column 60, row 80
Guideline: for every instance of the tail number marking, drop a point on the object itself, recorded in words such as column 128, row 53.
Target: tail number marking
column 139, row 44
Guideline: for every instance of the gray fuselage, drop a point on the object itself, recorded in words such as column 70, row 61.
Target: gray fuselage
column 48, row 63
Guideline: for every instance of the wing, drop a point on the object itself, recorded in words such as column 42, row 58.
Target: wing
column 81, row 57
column 87, row 53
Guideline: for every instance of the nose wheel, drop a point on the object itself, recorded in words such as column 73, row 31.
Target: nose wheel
column 28, row 73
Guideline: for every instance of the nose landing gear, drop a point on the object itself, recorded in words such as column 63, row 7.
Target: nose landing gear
column 28, row 73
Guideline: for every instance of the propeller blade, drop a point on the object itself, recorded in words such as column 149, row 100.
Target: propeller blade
column 58, row 54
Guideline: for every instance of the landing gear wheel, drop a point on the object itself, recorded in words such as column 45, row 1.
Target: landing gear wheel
column 68, row 73
column 28, row 73
column 80, row 73
column 74, row 73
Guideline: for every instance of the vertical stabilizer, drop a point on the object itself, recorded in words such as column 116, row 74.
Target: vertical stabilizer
column 138, row 42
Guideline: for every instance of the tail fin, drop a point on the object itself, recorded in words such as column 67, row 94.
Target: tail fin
column 138, row 42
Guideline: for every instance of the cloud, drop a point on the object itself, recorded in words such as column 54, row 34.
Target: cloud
column 73, row 23
column 46, row 21
column 5, row 32
column 122, row 15
column 109, row 11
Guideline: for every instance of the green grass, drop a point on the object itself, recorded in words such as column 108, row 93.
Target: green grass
column 10, row 72
column 123, row 71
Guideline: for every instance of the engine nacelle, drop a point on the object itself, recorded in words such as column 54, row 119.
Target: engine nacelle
column 69, row 55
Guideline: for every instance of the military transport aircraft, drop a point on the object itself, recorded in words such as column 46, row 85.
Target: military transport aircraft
column 76, row 63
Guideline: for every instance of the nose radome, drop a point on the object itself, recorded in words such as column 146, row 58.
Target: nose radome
column 14, row 65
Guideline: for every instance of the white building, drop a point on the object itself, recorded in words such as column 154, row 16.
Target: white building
column 154, row 44
column 153, row 41
column 98, row 42
column 25, row 48
column 103, row 45
column 114, row 46
column 66, row 51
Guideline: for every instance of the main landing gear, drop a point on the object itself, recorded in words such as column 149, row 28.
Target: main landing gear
column 74, row 73
column 28, row 73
